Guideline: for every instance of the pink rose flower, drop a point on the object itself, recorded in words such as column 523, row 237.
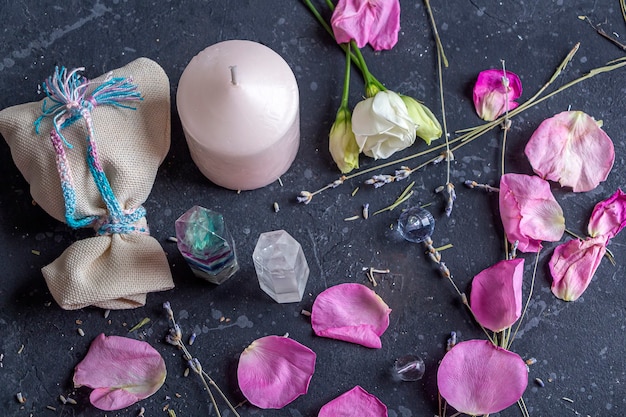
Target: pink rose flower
column 376, row 22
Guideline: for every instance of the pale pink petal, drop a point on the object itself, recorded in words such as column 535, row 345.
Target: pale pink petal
column 275, row 370
column 352, row 313
column 356, row 402
column 573, row 265
column 609, row 216
column 376, row 22
column 530, row 214
column 476, row 377
column 490, row 96
column 121, row 371
column 496, row 297
column 572, row 149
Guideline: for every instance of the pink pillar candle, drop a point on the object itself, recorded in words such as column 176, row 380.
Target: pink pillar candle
column 238, row 102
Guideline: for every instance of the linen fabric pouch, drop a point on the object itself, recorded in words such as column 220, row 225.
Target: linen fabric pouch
column 91, row 162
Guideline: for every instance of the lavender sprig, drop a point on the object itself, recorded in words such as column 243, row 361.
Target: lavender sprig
column 175, row 338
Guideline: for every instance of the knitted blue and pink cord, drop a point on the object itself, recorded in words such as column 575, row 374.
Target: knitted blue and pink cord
column 67, row 90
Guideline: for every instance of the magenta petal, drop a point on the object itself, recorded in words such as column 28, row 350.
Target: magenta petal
column 376, row 22
column 496, row 297
column 352, row 313
column 490, row 95
column 274, row 370
column 121, row 371
column 529, row 212
column 572, row 149
column 609, row 216
column 573, row 265
column 476, row 377
column 356, row 402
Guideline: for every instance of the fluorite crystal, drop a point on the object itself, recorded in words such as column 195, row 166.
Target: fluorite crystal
column 206, row 244
column 416, row 224
column 280, row 266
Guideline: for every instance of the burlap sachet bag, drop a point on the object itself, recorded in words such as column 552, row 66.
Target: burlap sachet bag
column 90, row 152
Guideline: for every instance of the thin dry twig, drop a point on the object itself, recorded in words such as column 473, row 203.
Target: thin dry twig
column 175, row 338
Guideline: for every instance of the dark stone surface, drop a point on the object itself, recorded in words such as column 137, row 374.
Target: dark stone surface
column 579, row 346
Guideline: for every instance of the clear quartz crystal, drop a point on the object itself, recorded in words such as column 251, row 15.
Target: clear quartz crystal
column 206, row 244
column 416, row 224
column 280, row 266
column 408, row 368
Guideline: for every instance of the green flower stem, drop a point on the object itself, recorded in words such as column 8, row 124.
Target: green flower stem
column 371, row 87
column 354, row 56
column 346, row 82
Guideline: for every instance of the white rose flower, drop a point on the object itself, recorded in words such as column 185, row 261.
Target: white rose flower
column 382, row 125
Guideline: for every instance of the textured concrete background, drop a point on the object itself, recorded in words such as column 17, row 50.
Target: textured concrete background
column 579, row 346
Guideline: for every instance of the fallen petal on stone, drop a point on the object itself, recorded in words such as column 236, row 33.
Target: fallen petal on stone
column 275, row 370
column 352, row 313
column 573, row 265
column 530, row 214
column 477, row 378
column 121, row 371
column 572, row 149
column 609, row 216
column 496, row 297
column 356, row 402
column 491, row 97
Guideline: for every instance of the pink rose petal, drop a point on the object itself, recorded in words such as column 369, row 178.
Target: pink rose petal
column 274, row 370
column 572, row 149
column 376, row 22
column 352, row 313
column 490, row 95
column 476, row 377
column 496, row 297
column 121, row 371
column 356, row 402
column 529, row 212
column 573, row 265
column 609, row 216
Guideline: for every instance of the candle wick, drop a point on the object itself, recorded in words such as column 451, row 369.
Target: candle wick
column 233, row 74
